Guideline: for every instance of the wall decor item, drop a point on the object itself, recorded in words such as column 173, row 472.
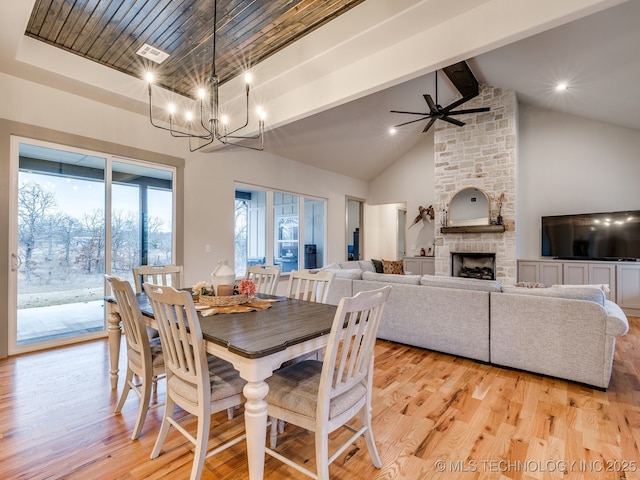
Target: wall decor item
column 424, row 214
column 431, row 250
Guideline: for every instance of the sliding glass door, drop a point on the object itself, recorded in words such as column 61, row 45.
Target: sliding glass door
column 141, row 217
column 79, row 215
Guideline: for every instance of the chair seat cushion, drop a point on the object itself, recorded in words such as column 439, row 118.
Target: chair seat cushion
column 295, row 388
column 224, row 380
column 157, row 360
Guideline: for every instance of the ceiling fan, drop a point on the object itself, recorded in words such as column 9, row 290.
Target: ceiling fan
column 463, row 79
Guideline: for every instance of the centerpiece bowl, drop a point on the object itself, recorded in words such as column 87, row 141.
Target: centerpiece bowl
column 223, row 300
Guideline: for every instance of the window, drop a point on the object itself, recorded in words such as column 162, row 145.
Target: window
column 269, row 226
column 81, row 214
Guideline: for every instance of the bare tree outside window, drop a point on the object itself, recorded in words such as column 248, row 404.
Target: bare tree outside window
column 33, row 205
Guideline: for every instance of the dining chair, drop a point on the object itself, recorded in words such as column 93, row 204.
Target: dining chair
column 310, row 286
column 144, row 355
column 323, row 396
column 265, row 277
column 158, row 275
column 199, row 384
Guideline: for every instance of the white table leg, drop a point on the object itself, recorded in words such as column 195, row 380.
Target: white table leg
column 114, row 335
column 255, row 421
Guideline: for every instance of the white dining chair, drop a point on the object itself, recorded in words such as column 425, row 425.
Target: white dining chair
column 144, row 355
column 309, row 286
column 158, row 275
column 199, row 384
column 323, row 396
column 265, row 277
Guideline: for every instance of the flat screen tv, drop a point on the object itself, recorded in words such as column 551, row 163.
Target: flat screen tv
column 592, row 236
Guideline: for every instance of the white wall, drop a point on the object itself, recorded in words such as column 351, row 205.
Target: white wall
column 567, row 165
column 381, row 231
column 408, row 182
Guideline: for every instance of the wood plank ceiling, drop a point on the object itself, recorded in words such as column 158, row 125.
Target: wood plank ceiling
column 110, row 32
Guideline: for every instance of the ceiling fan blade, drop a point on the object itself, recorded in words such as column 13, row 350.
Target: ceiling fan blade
column 462, row 78
column 469, row 110
column 453, row 120
column 432, row 106
column 457, row 103
column 410, row 113
column 431, row 122
column 412, row 121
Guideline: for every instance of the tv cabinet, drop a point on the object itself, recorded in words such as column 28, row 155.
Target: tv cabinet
column 623, row 278
column 628, row 277
column 419, row 265
column 547, row 273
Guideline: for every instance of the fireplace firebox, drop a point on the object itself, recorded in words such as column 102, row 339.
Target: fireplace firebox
column 473, row 265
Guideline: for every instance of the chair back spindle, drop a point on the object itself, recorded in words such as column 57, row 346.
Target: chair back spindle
column 309, row 286
column 265, row 277
column 158, row 275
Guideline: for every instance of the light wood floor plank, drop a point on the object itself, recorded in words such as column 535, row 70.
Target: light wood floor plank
column 434, row 416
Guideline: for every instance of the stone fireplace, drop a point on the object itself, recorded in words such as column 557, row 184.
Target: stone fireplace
column 481, row 266
column 481, row 155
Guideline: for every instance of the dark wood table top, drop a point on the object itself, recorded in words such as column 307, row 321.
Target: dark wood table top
column 263, row 332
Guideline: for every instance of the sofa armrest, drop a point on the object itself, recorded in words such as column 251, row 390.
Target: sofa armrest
column 617, row 323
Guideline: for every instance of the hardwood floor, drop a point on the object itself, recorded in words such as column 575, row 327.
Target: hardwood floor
column 435, row 416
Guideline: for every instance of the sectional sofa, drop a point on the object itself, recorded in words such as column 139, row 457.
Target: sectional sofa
column 567, row 332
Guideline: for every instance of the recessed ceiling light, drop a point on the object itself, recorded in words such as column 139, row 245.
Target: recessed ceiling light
column 562, row 86
column 392, row 131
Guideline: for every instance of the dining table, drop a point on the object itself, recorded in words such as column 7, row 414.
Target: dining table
column 256, row 343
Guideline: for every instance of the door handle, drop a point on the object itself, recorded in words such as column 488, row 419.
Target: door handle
column 16, row 262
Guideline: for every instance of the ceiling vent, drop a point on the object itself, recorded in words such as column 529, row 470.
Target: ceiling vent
column 153, row 54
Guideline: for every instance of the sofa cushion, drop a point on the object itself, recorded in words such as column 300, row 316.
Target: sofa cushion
column 367, row 266
column 572, row 292
column 350, row 265
column 393, row 267
column 331, row 266
column 351, row 273
column 461, row 283
column 391, row 278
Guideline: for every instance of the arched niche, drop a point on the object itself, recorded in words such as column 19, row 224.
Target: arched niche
column 469, row 206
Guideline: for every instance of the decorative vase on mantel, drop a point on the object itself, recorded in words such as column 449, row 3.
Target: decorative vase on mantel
column 222, row 275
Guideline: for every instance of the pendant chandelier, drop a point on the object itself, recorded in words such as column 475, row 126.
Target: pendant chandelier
column 208, row 126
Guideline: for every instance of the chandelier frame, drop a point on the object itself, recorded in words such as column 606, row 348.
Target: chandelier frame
column 211, row 126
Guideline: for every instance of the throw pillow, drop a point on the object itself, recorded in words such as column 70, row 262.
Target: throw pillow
column 378, row 266
column 529, row 285
column 392, row 266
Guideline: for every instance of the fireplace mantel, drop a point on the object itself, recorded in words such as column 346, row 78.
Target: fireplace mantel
column 474, row 229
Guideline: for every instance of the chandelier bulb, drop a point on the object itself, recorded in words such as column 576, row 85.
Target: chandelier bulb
column 201, row 93
column 172, row 109
column 247, row 77
column 149, row 77
column 224, row 119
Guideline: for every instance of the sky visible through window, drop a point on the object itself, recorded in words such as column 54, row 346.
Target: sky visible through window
column 75, row 197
